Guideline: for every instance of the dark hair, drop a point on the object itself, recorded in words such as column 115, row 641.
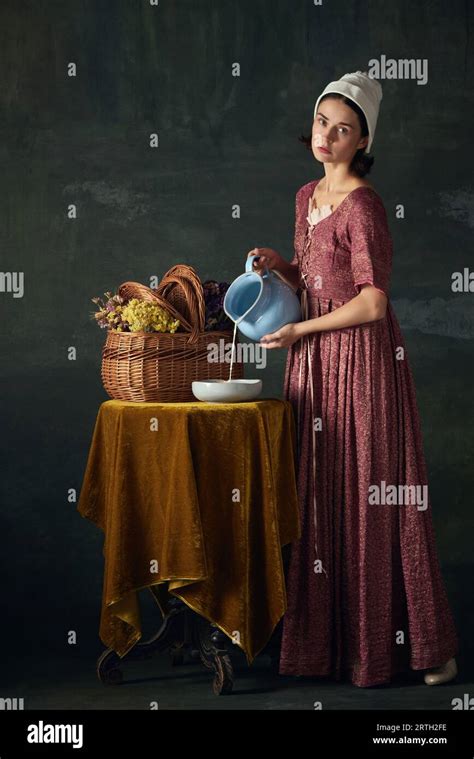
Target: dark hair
column 362, row 162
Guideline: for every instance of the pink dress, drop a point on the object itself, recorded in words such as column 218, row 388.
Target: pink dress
column 366, row 598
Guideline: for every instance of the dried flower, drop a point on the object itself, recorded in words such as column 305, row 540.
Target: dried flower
column 144, row 316
column 109, row 309
column 114, row 313
column 216, row 318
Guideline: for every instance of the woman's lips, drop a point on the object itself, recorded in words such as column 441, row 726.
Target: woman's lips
column 324, row 150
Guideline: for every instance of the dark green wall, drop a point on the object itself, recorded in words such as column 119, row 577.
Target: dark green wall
column 223, row 140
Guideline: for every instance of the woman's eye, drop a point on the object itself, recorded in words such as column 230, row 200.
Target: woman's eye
column 323, row 123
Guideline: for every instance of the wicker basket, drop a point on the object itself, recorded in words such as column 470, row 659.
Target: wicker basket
column 160, row 366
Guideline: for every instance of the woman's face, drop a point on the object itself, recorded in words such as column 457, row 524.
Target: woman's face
column 336, row 127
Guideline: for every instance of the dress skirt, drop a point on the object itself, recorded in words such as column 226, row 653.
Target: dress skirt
column 366, row 598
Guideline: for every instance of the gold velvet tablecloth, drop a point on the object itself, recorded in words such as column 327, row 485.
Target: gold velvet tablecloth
column 200, row 497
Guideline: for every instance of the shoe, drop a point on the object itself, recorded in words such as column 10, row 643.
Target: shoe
column 443, row 674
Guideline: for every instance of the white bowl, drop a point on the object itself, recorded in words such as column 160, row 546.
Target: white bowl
column 225, row 391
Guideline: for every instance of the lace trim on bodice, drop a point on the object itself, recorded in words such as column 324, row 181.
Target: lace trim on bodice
column 316, row 214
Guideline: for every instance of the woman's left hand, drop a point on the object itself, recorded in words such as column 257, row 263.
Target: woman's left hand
column 282, row 338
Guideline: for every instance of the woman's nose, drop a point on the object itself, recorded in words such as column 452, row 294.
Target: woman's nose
column 323, row 136
column 323, row 139
column 327, row 134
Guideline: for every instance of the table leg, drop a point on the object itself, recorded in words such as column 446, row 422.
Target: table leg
column 182, row 630
column 170, row 635
column 211, row 643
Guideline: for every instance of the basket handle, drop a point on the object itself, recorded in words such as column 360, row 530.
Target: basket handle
column 187, row 279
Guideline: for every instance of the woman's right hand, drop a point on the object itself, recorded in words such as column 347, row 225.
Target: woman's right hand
column 268, row 258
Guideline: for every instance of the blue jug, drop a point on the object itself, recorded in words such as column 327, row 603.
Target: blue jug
column 261, row 303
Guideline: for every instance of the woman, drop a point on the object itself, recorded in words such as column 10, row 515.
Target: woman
column 365, row 592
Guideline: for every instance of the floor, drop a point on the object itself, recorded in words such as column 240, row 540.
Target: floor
column 72, row 683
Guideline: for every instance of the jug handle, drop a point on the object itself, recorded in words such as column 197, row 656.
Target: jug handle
column 249, row 266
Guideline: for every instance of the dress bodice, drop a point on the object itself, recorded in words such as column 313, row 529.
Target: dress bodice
column 338, row 249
